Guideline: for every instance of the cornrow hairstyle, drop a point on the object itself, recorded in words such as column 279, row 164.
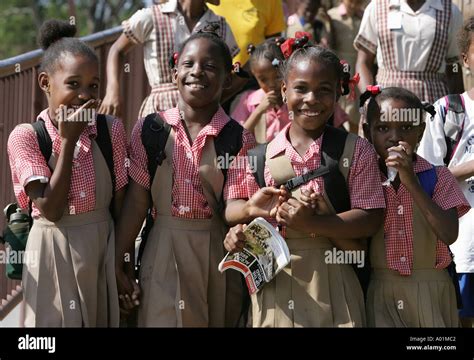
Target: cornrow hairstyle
column 269, row 50
column 396, row 93
column 216, row 40
column 464, row 35
column 304, row 50
column 56, row 37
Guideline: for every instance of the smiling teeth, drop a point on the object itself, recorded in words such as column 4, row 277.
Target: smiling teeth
column 196, row 86
column 310, row 113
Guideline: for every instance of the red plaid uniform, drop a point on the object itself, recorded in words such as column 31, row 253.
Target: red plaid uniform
column 28, row 164
column 187, row 194
column 365, row 188
column 398, row 224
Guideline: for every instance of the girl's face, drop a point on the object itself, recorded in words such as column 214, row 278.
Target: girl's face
column 267, row 75
column 73, row 83
column 201, row 74
column 395, row 122
column 468, row 58
column 311, row 92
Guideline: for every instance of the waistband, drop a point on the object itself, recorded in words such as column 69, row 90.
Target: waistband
column 416, row 275
column 91, row 217
column 391, row 75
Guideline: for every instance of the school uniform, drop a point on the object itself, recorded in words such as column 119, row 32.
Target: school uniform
column 181, row 285
column 162, row 30
column 344, row 31
column 410, row 286
column 433, row 148
column 309, row 292
column 412, row 48
column 72, row 283
column 269, row 124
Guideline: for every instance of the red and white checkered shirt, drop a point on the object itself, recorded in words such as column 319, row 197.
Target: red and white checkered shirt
column 188, row 200
column 365, row 189
column 398, row 225
column 28, row 164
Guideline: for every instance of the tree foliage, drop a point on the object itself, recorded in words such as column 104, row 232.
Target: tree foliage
column 20, row 20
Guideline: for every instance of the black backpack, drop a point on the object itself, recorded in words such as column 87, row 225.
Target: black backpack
column 155, row 133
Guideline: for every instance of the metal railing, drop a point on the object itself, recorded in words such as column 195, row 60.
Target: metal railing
column 21, row 100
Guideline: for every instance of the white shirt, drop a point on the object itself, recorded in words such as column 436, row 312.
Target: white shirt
column 140, row 29
column 414, row 37
column 433, row 148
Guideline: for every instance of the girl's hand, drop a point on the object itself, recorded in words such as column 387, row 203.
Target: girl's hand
column 403, row 162
column 70, row 127
column 294, row 214
column 265, row 201
column 315, row 201
column 235, row 239
column 127, row 287
column 270, row 100
column 111, row 105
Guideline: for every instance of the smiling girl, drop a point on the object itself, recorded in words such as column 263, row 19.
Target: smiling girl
column 71, row 192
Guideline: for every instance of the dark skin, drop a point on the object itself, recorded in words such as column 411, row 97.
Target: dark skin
column 201, row 76
column 311, row 90
column 269, row 81
column 402, row 137
column 72, row 85
column 192, row 11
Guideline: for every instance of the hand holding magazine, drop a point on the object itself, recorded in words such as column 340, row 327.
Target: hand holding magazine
column 264, row 255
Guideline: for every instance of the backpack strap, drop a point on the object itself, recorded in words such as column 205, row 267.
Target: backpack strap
column 258, row 154
column 453, row 121
column 333, row 147
column 103, row 140
column 44, row 140
column 228, row 143
column 155, row 133
column 428, row 180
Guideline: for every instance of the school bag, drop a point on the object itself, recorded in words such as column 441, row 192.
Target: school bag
column 155, row 133
column 18, row 223
column 337, row 151
column 428, row 180
column 453, row 117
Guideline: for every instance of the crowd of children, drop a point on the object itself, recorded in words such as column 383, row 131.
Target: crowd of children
column 402, row 195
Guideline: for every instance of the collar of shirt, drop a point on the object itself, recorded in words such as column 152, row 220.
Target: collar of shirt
column 282, row 144
column 219, row 119
column 90, row 132
column 256, row 97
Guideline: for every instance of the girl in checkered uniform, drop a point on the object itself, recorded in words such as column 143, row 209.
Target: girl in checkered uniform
column 71, row 283
column 410, row 286
column 313, row 290
column 179, row 283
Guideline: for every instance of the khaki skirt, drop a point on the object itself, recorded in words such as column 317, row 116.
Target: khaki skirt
column 309, row 292
column 426, row 298
column 69, row 278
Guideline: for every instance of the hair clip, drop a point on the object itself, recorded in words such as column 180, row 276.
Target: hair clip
column 275, row 62
column 429, row 108
column 279, row 40
column 250, row 49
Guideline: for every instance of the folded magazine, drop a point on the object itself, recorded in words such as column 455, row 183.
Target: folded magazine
column 264, row 255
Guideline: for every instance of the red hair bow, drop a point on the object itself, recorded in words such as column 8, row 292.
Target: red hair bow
column 288, row 46
column 352, row 84
column 300, row 34
column 374, row 89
